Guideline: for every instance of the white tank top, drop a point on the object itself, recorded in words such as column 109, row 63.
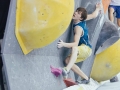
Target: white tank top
column 115, row 2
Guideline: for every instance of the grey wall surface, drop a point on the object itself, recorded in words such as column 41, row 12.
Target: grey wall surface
column 108, row 36
column 32, row 72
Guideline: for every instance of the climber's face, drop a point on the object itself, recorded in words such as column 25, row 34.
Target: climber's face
column 77, row 15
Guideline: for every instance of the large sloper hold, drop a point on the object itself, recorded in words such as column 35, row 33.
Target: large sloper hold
column 39, row 22
column 108, row 36
column 107, row 63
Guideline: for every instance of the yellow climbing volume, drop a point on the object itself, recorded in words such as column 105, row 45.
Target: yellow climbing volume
column 107, row 63
column 40, row 22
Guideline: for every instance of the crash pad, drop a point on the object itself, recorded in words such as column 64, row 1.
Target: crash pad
column 107, row 63
column 39, row 22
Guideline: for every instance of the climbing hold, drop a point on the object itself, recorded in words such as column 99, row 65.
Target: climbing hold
column 39, row 22
column 56, row 71
column 69, row 82
column 107, row 63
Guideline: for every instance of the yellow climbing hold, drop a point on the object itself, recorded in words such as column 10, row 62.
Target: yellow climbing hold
column 107, row 63
column 40, row 22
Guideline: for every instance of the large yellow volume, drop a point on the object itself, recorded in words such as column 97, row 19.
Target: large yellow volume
column 40, row 22
column 107, row 63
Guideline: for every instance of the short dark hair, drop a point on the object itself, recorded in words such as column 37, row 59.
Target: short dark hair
column 83, row 14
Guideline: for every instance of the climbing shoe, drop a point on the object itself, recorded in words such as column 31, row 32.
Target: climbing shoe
column 83, row 81
column 64, row 73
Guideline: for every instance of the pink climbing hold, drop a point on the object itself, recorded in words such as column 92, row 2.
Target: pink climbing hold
column 56, row 71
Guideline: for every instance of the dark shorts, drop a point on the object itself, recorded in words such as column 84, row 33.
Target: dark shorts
column 116, row 9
